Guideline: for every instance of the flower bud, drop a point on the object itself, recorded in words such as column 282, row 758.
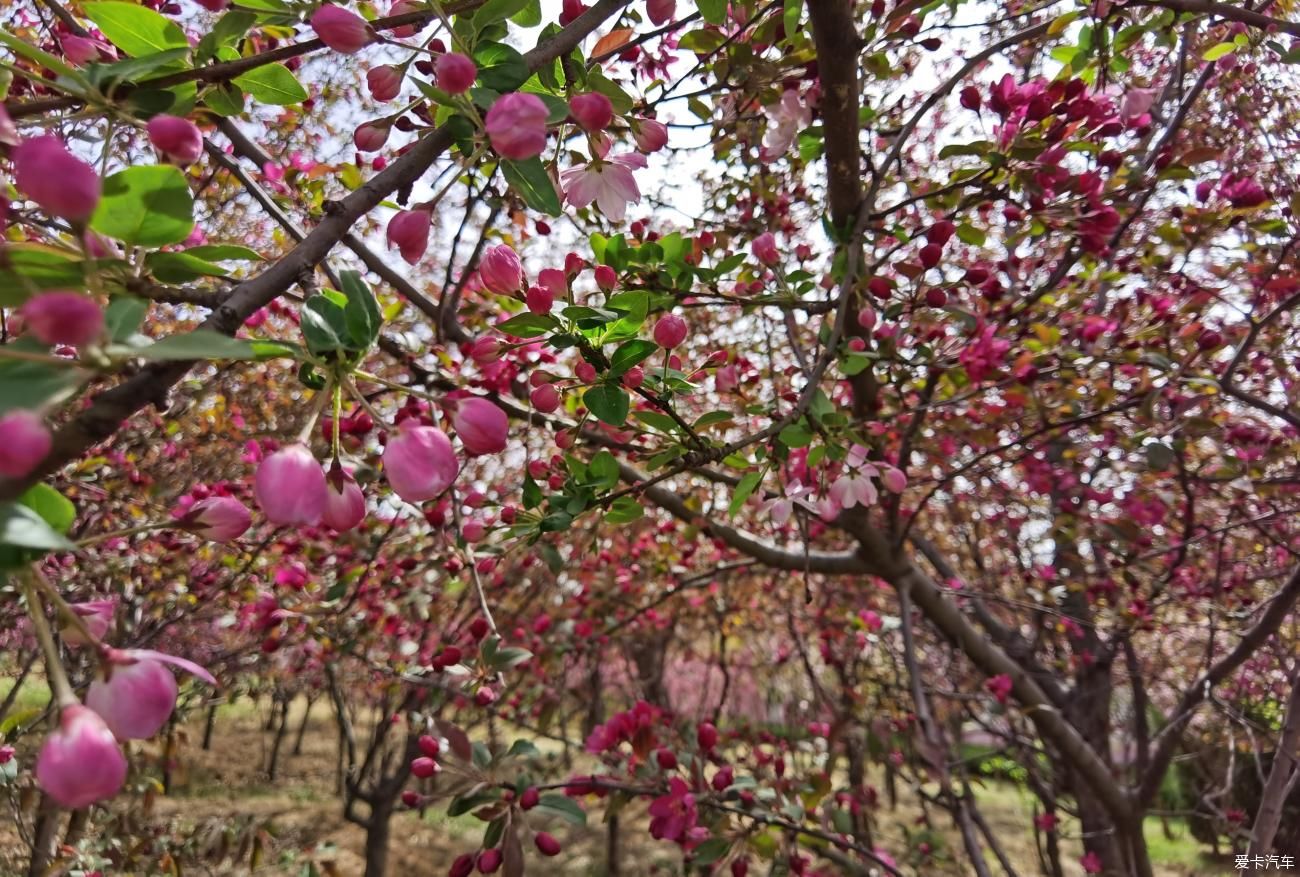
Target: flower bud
column 408, row 230
column 670, row 331
column 546, row 844
column 419, row 461
column 650, row 135
column 429, row 746
column 545, row 398
column 424, row 767
column 516, row 125
column 500, row 270
column 481, row 425
column 80, row 763
column 384, row 81
column 219, row 518
column 62, row 184
column 592, row 111
column 660, row 12
column 96, row 615
column 634, row 377
column 177, row 139
column 345, row 504
column 706, row 735
column 463, row 866
column 585, row 371
column 290, row 486
column 63, row 318
column 341, row 29
column 135, row 694
column 455, row 73
column 473, row 530
column 371, row 136
column 489, row 861
column 24, row 442
column 764, row 249
column 539, row 299
column 82, row 50
column 971, row 98
column 606, row 278
column 530, row 798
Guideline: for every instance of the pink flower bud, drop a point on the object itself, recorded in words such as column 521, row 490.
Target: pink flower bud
column 419, row 461
column 384, row 81
column 424, row 767
column 971, row 98
column 867, row 318
column 707, row 736
column 546, row 844
column 606, row 278
column 63, row 318
column 345, row 504
column 660, row 11
column 592, row 111
column 585, row 371
column 429, row 745
column 82, row 50
column 402, row 7
column 764, row 249
column 485, row 350
column 177, row 139
column 634, row 377
column 290, row 486
column 371, row 136
column 894, row 480
column 539, row 299
column 500, row 271
column 62, row 184
column 473, row 530
column 489, row 861
column 135, row 694
column 408, row 230
column 24, row 442
column 481, row 426
column 455, row 73
column 96, row 615
column 219, row 518
column 670, row 331
column 516, row 125
column 462, row 866
column 650, row 135
column 545, row 398
column 340, row 29
column 80, row 763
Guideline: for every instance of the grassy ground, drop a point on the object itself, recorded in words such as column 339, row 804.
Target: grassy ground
column 232, row 815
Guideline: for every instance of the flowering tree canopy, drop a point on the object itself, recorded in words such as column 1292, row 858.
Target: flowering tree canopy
column 767, row 394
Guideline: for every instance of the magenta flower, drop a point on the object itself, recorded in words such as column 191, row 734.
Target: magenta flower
column 516, row 125
column 673, row 815
column 80, row 763
column 219, row 518
column 135, row 694
column 177, row 139
column 481, row 425
column 62, row 184
column 419, row 461
column 290, row 486
column 455, row 73
column 408, row 230
column 59, row 317
column 500, row 270
column 340, row 29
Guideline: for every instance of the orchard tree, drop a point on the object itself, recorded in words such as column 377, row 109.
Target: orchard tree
column 768, row 394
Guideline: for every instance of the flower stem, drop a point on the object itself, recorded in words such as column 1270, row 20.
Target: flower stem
column 114, row 534
column 61, row 606
column 317, row 406
column 54, row 671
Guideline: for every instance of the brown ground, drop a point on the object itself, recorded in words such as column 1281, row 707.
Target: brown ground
column 225, row 818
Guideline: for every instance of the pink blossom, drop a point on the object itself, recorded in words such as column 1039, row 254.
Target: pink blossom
column 670, row 331
column 80, row 763
column 408, row 230
column 1000, row 687
column 177, row 139
column 345, row 504
column 786, row 118
column 455, row 72
column 673, row 815
column 592, row 110
column 610, row 183
column 660, row 12
column 24, row 442
column 419, row 461
column 500, row 270
column 62, row 184
column 481, row 425
column 135, row 694
column 290, row 486
column 516, row 125
column 342, row 30
column 219, row 518
column 650, row 135
column 59, row 317
column 384, row 81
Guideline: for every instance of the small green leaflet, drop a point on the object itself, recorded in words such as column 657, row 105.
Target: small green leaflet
column 272, row 84
column 531, row 182
column 608, row 403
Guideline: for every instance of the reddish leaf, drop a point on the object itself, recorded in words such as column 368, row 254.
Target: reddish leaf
column 611, row 42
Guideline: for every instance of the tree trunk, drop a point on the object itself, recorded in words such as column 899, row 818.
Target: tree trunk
column 378, row 827
column 611, row 847
column 302, row 726
column 44, row 833
column 1279, row 778
column 209, row 725
column 273, row 768
column 77, row 823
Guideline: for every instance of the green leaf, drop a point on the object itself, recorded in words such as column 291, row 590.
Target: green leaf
column 624, row 510
column 713, row 11
column 34, row 385
column 530, row 15
column 710, row 851
column 604, row 469
column 199, row 344
column 136, row 30
column 796, row 435
column 133, row 69
column 148, row 206
column 361, row 311
column 500, row 67
column 25, row 268
column 1215, row 52
column 224, row 100
column 124, row 315
column 701, row 41
column 181, row 267
column 793, row 9
column 971, row 235
column 532, row 493
column 324, row 325
column 225, row 253
column 562, row 806
column 744, row 490
column 528, row 325
column 531, row 182
column 608, row 403
column 497, row 10
column 23, row 527
column 630, row 353
column 272, row 84
column 54, row 508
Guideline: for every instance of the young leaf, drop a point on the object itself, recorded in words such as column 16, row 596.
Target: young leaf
column 135, row 29
column 531, row 182
column 147, row 205
column 608, row 403
column 272, row 84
